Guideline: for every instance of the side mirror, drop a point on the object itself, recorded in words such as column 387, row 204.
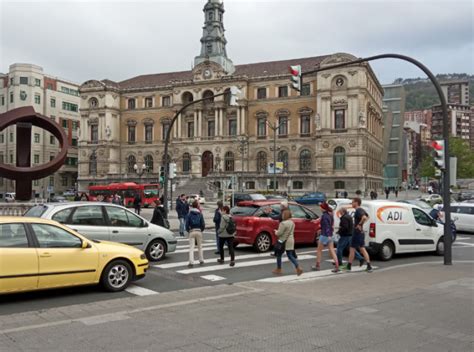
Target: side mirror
column 144, row 224
column 455, row 218
column 85, row 245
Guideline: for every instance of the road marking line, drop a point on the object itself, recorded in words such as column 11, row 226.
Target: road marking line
column 140, row 291
column 237, row 258
column 204, row 245
column 202, row 269
column 311, row 275
column 465, row 244
column 103, row 319
column 195, row 249
column 463, row 238
column 213, row 277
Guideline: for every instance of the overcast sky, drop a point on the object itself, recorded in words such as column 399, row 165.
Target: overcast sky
column 81, row 40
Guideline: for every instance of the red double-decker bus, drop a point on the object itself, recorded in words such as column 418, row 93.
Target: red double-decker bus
column 149, row 192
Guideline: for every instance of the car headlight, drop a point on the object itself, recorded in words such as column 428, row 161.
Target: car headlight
column 142, row 256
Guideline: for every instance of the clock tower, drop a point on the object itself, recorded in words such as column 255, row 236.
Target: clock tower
column 213, row 42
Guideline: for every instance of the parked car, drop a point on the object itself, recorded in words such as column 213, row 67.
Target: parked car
column 110, row 222
column 276, row 197
column 58, row 199
column 10, row 197
column 419, row 203
column 395, row 227
column 239, row 197
column 38, row 254
column 256, row 224
column 197, row 197
column 334, row 203
column 311, row 198
column 465, row 196
column 432, row 199
column 463, row 214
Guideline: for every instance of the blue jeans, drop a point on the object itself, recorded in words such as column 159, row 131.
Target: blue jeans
column 342, row 244
column 291, row 257
column 181, row 226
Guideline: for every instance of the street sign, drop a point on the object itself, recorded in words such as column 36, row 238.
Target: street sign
column 279, row 168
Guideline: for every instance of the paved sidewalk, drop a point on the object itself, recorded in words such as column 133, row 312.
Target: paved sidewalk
column 428, row 307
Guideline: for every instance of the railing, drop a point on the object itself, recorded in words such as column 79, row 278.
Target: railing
column 15, row 209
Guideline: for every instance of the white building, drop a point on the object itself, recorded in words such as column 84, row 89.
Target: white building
column 28, row 85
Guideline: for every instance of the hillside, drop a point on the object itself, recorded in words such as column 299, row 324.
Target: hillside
column 420, row 93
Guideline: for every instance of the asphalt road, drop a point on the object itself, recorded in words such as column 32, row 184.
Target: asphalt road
column 172, row 274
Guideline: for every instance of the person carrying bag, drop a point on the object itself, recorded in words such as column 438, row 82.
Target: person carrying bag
column 226, row 234
column 286, row 242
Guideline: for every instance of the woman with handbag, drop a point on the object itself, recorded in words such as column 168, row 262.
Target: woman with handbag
column 286, row 242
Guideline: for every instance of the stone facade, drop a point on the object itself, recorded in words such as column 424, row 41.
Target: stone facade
column 330, row 135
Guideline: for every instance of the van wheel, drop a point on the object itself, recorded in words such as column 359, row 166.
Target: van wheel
column 116, row 276
column 440, row 246
column 263, row 242
column 387, row 251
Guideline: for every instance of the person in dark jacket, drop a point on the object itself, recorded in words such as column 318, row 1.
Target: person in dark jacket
column 182, row 208
column 325, row 237
column 137, row 203
column 225, row 237
column 217, row 222
column 346, row 228
column 159, row 214
column 195, row 226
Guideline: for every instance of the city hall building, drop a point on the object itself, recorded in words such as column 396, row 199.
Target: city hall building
column 328, row 137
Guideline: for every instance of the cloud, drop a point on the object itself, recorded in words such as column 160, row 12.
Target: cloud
column 80, row 40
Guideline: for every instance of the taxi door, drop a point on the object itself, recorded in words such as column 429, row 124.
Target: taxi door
column 18, row 259
column 62, row 260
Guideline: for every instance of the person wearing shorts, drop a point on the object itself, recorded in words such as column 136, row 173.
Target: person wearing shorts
column 325, row 237
column 358, row 238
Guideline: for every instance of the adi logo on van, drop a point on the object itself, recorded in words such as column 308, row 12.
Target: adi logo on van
column 393, row 214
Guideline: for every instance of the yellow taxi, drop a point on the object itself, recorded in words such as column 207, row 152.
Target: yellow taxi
column 38, row 254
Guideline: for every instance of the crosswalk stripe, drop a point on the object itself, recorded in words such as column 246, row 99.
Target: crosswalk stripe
column 310, row 275
column 463, row 238
column 213, row 277
column 205, row 249
column 464, row 244
column 237, row 258
column 204, row 245
column 140, row 291
column 202, row 269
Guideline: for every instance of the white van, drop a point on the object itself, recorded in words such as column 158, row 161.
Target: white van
column 395, row 227
column 10, row 197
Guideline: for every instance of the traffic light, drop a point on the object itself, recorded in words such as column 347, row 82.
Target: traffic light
column 172, row 170
column 296, row 79
column 234, row 95
column 438, row 146
column 162, row 174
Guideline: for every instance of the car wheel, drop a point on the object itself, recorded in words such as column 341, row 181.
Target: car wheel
column 387, row 251
column 263, row 242
column 440, row 246
column 116, row 276
column 156, row 250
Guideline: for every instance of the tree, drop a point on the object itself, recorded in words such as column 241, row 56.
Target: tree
column 427, row 168
column 460, row 148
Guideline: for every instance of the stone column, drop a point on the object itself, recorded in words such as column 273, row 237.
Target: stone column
column 216, row 122
column 195, row 123
column 180, row 132
column 238, row 121
column 242, row 117
column 200, row 123
column 221, row 122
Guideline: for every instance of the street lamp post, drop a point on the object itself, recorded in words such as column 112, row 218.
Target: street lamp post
column 140, row 171
column 446, row 178
column 243, row 146
column 275, row 127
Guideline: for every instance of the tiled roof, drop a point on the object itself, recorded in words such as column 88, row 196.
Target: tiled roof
column 259, row 69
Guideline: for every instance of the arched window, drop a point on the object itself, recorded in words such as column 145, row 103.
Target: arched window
column 305, row 160
column 187, row 97
column 131, row 161
column 261, row 161
column 339, row 162
column 186, row 162
column 283, row 157
column 93, row 103
column 93, row 164
column 229, row 161
column 339, row 185
column 149, row 163
column 131, row 103
column 208, row 94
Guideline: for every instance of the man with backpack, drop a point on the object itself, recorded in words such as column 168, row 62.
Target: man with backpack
column 226, row 235
column 195, row 226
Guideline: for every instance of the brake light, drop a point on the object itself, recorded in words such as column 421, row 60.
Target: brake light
column 372, row 230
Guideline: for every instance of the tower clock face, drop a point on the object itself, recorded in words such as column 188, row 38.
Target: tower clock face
column 207, row 73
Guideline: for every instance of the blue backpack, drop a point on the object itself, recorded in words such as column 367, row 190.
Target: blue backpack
column 194, row 220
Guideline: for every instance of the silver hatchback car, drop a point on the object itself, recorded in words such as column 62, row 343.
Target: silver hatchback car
column 110, row 222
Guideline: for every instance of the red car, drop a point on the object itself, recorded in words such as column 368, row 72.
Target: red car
column 257, row 221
